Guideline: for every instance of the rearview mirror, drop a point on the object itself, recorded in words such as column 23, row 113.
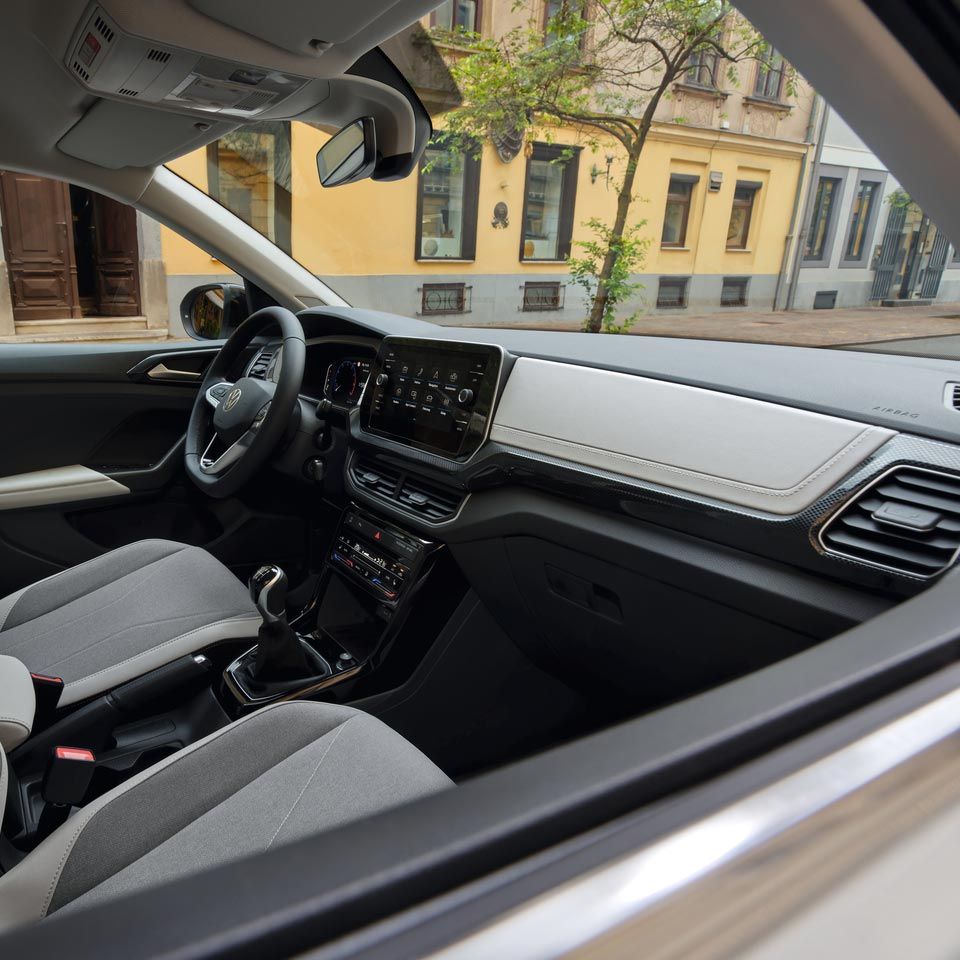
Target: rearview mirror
column 349, row 155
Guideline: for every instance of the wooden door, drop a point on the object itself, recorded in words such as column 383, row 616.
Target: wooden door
column 38, row 239
column 116, row 258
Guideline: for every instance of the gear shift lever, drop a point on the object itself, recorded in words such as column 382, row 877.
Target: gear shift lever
column 280, row 655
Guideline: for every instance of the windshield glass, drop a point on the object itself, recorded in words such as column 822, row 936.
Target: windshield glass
column 638, row 167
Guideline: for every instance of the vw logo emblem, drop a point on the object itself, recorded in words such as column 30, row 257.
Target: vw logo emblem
column 232, row 397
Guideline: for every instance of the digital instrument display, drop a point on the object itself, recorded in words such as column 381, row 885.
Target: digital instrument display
column 431, row 394
column 345, row 380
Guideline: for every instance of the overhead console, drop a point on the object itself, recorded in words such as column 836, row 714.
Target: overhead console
column 433, row 395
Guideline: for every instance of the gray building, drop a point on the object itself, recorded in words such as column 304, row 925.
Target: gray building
column 863, row 241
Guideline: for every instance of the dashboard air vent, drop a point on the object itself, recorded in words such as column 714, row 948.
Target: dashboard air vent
column 375, row 477
column 907, row 521
column 426, row 500
column 258, row 369
column 951, row 395
column 430, row 502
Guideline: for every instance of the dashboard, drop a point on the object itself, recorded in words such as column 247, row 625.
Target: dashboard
column 760, row 448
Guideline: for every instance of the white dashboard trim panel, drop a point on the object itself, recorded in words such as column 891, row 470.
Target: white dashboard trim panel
column 738, row 450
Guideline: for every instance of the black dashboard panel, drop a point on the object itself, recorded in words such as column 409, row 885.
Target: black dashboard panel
column 432, row 395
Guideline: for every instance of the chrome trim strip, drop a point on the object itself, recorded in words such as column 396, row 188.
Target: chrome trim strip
column 854, row 497
column 598, row 904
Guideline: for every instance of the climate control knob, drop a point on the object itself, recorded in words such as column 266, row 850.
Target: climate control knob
column 382, row 379
column 465, row 397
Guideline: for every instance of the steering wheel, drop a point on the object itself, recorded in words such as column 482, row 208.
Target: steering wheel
column 234, row 427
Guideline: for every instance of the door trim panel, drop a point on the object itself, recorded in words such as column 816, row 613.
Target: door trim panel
column 58, row 485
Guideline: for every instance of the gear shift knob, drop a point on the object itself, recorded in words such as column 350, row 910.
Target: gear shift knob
column 280, row 654
column 268, row 590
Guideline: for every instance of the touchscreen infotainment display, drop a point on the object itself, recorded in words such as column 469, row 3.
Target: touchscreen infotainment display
column 430, row 394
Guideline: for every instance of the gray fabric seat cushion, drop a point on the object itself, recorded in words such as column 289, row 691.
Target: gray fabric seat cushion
column 122, row 614
column 286, row 772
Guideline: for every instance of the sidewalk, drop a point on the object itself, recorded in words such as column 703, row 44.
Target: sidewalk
column 808, row 328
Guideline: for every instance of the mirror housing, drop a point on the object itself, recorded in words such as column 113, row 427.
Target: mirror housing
column 349, row 155
column 214, row 310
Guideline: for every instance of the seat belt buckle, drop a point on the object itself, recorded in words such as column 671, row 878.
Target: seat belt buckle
column 47, row 691
column 68, row 776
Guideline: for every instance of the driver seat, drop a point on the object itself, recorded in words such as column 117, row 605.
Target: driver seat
column 123, row 614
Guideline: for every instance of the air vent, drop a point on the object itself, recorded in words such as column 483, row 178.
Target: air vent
column 258, row 369
column 81, row 72
column 127, row 92
column 103, row 29
column 160, row 56
column 951, row 396
column 375, row 477
column 428, row 501
column 907, row 521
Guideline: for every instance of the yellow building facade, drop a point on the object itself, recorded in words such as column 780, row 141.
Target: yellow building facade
column 723, row 166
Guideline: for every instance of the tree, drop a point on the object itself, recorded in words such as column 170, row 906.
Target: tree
column 601, row 67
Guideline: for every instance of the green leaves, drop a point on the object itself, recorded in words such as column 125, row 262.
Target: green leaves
column 628, row 251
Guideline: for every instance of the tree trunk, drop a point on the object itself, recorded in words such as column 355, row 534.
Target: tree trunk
column 624, row 199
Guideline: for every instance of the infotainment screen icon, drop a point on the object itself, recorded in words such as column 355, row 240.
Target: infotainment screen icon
column 432, row 394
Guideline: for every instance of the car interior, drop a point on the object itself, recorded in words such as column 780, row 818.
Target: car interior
column 373, row 607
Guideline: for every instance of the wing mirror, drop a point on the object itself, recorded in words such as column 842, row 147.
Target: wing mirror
column 349, row 155
column 213, row 311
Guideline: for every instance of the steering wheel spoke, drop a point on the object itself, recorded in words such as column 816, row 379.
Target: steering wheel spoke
column 218, row 457
column 215, row 394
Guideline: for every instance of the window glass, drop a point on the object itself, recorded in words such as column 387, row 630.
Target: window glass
column 677, row 212
column 703, row 69
column 456, row 14
column 446, row 227
column 249, row 173
column 738, row 231
column 823, row 204
column 770, row 71
column 860, row 218
column 548, row 205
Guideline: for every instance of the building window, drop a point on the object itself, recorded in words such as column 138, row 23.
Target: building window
column 861, row 218
column 555, row 15
column 733, row 293
column 549, row 196
column 677, row 213
column 702, row 69
column 741, row 215
column 447, row 199
column 672, row 293
column 539, row 296
column 248, row 171
column 457, row 15
column 824, row 201
column 436, row 298
column 770, row 71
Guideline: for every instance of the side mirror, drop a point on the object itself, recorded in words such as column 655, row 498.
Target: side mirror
column 213, row 311
column 349, row 155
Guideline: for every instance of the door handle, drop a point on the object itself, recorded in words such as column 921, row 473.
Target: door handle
column 161, row 372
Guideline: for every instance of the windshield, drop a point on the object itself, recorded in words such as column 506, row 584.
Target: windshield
column 598, row 167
